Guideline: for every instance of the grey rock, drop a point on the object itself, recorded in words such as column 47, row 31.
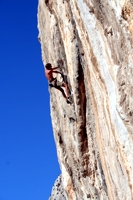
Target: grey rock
column 58, row 192
column 94, row 134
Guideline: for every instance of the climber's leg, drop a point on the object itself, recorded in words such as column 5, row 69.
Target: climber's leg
column 62, row 91
column 58, row 85
column 66, row 89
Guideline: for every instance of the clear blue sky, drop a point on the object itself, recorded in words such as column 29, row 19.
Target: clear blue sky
column 28, row 161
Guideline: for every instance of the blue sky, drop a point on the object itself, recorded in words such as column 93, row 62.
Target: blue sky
column 28, row 160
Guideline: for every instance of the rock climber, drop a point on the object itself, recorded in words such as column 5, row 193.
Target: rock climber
column 53, row 82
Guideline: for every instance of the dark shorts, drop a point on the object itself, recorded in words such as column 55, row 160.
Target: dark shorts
column 56, row 83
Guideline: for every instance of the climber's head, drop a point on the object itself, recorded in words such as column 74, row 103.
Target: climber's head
column 48, row 66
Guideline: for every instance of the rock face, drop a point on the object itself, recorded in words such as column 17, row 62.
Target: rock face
column 58, row 192
column 94, row 135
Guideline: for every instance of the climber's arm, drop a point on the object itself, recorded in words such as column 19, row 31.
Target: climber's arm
column 54, row 68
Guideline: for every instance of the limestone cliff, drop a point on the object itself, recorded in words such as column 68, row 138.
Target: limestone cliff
column 94, row 135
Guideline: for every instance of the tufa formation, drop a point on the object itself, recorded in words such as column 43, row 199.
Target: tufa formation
column 92, row 42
